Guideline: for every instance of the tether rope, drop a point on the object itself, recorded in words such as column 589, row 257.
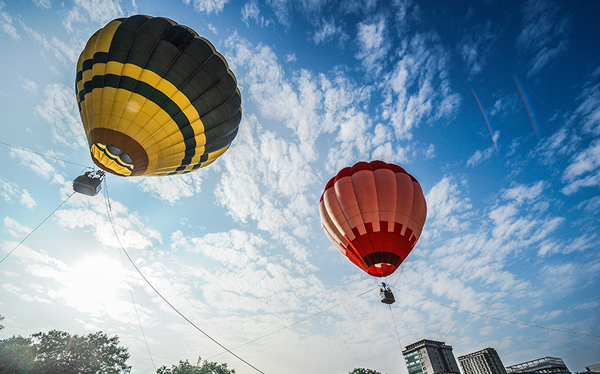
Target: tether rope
column 395, row 327
column 107, row 202
column 32, row 231
column 295, row 323
column 47, row 156
column 166, row 301
column 499, row 319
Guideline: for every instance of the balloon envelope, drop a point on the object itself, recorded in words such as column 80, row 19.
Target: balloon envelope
column 373, row 213
column 155, row 98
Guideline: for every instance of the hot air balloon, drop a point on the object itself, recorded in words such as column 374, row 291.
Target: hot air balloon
column 155, row 98
column 373, row 213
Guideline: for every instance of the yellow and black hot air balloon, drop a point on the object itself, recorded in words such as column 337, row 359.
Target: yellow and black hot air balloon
column 155, row 98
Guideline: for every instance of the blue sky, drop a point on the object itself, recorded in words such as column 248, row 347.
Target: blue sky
column 513, row 195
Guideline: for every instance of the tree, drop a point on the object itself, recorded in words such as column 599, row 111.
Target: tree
column 16, row 355
column 60, row 352
column 363, row 371
column 185, row 367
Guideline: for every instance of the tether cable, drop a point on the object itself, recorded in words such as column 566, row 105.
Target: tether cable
column 500, row 319
column 395, row 327
column 47, row 156
column 32, row 231
column 400, row 275
column 136, row 312
column 129, row 284
column 166, row 301
column 295, row 323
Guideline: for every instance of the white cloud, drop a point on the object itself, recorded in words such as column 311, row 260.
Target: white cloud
column 37, row 164
column 10, row 191
column 344, row 104
column 353, row 137
column 6, row 24
column 46, row 4
column 561, row 143
column 447, row 208
column 584, row 171
column 59, row 108
column 430, row 152
column 548, row 316
column 17, row 291
column 417, row 88
column 250, row 10
column 38, row 263
column 475, row 47
column 245, row 274
column 588, row 305
column 479, row 156
column 234, row 248
column 589, row 109
column 314, row 105
column 543, row 34
column 91, row 213
column 519, row 219
column 327, row 31
column 100, row 11
column 578, row 244
column 90, row 286
column 64, row 52
column 207, row 6
column 15, row 228
column 590, row 206
column 29, row 86
column 27, row 200
column 522, row 193
column 374, row 44
column 511, row 226
column 266, row 179
column 294, row 104
column 173, row 188
column 282, row 9
column 564, row 278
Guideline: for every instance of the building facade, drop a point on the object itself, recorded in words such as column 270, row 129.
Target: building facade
column 430, row 357
column 485, row 361
column 544, row 365
column 595, row 368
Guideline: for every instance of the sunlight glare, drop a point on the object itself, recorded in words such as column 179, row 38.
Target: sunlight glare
column 93, row 283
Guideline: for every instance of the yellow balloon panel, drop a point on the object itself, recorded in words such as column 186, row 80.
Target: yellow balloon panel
column 155, row 98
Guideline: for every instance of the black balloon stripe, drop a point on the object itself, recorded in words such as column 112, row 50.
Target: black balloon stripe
column 149, row 92
column 215, row 140
column 116, row 159
column 186, row 61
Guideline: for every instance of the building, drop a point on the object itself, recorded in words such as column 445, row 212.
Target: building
column 485, row 361
column 544, row 365
column 591, row 369
column 430, row 357
column 595, row 368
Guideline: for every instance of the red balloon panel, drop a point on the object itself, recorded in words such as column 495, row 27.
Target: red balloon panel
column 374, row 214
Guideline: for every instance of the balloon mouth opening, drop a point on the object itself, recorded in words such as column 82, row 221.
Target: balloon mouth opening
column 382, row 269
column 112, row 159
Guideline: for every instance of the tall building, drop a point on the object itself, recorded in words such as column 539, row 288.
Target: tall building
column 595, row 368
column 430, row 357
column 544, row 365
column 485, row 361
column 591, row 369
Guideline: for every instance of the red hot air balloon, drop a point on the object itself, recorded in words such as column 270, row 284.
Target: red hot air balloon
column 374, row 214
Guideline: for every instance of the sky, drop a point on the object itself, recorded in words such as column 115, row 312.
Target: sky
column 494, row 106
